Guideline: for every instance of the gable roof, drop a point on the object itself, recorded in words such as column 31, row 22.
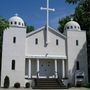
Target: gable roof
column 40, row 29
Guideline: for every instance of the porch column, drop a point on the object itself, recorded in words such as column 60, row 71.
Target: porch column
column 63, row 68
column 29, row 69
column 37, row 67
column 56, row 68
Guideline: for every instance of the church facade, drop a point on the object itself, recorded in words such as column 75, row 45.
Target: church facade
column 44, row 53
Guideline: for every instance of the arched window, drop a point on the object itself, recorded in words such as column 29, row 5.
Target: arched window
column 77, row 65
column 74, row 26
column 11, row 22
column 15, row 22
column 22, row 24
column 67, row 27
column 13, row 64
column 19, row 23
column 71, row 27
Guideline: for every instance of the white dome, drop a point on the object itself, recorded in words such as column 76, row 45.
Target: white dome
column 16, row 21
column 72, row 25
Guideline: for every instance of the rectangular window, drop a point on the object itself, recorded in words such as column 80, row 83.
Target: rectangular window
column 56, row 41
column 77, row 65
column 14, row 39
column 36, row 41
column 76, row 42
column 13, row 64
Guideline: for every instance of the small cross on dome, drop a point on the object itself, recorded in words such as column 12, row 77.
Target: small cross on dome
column 72, row 18
column 16, row 14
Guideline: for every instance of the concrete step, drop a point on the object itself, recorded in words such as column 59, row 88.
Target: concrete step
column 48, row 84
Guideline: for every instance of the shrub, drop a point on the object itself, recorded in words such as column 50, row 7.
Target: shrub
column 87, row 85
column 69, row 85
column 6, row 82
column 27, row 85
column 17, row 85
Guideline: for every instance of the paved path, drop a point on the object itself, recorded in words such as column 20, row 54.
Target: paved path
column 45, row 89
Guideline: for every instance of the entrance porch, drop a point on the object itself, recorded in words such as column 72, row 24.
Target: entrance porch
column 45, row 68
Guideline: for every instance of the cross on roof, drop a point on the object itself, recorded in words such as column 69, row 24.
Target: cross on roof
column 47, row 9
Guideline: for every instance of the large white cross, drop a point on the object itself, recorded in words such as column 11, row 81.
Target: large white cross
column 47, row 9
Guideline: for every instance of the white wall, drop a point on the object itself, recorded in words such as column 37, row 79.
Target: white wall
column 77, row 53
column 13, row 51
column 51, row 48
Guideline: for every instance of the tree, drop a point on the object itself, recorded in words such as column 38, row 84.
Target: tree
column 81, row 15
column 30, row 29
column 63, row 21
column 74, row 1
column 3, row 24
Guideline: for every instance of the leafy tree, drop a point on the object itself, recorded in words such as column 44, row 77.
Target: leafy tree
column 63, row 21
column 75, row 1
column 30, row 29
column 81, row 15
column 3, row 24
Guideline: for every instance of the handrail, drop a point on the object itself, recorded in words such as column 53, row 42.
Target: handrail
column 38, row 74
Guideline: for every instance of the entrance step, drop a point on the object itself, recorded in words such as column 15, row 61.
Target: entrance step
column 48, row 84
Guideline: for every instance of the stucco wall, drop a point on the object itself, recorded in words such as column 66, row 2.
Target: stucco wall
column 77, row 53
column 41, row 49
column 13, row 51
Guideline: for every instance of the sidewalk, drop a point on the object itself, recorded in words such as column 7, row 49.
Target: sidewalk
column 45, row 89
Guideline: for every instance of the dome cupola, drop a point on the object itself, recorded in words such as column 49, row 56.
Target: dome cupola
column 72, row 25
column 16, row 21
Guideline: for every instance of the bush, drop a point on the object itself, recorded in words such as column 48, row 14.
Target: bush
column 6, row 82
column 27, row 85
column 17, row 85
column 69, row 85
column 87, row 85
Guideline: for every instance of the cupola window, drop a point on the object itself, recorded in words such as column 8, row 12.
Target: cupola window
column 15, row 22
column 71, row 27
column 74, row 26
column 11, row 22
column 22, row 24
column 19, row 23
column 67, row 27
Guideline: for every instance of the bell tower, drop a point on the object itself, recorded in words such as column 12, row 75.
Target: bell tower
column 13, row 56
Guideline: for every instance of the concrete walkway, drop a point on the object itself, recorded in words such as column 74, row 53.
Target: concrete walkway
column 45, row 89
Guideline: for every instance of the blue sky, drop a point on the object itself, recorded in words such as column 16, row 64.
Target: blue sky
column 30, row 11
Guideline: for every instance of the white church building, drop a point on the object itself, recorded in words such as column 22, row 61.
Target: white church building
column 44, row 53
